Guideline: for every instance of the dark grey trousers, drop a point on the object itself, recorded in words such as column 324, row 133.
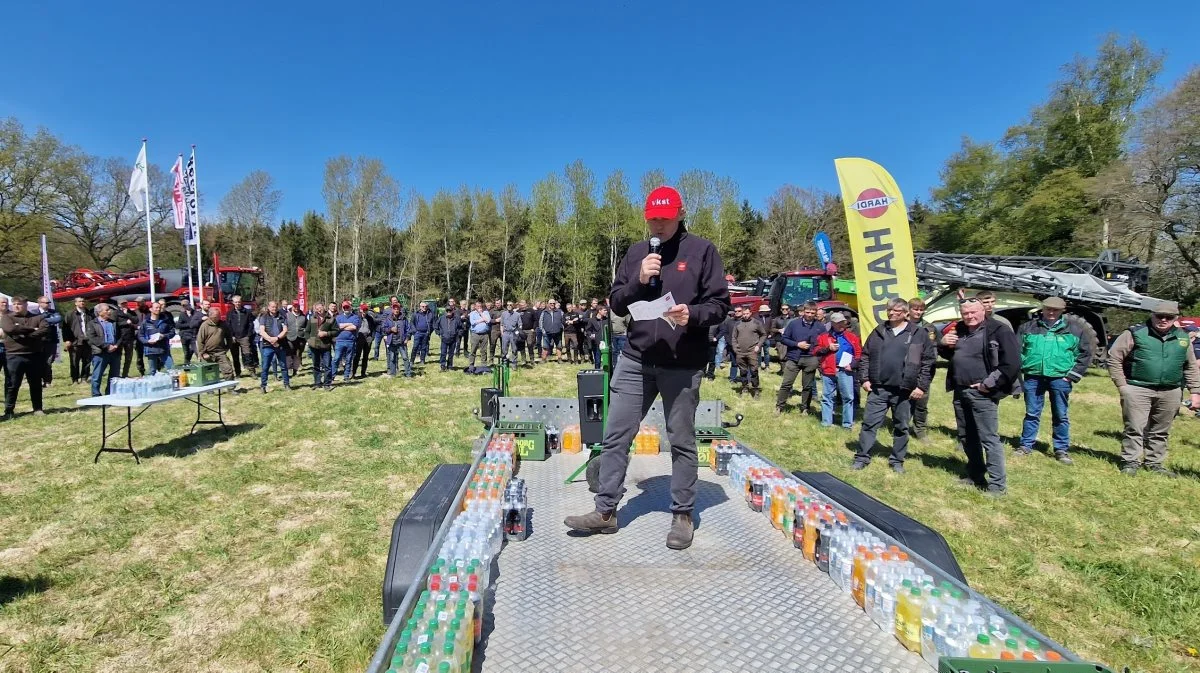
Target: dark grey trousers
column 879, row 401
column 978, row 419
column 633, row 389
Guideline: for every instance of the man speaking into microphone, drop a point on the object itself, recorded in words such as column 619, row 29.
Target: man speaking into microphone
column 663, row 356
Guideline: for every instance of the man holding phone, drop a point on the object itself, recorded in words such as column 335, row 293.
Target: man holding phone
column 660, row 359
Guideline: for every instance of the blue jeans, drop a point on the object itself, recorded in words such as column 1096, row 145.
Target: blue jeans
column 764, row 353
column 720, row 353
column 618, row 345
column 843, row 383
column 1059, row 389
column 378, row 340
column 162, row 361
column 420, row 347
column 273, row 355
column 395, row 352
column 322, row 364
column 446, row 359
column 109, row 361
column 343, row 351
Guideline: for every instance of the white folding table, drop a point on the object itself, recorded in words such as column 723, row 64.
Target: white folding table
column 106, row 401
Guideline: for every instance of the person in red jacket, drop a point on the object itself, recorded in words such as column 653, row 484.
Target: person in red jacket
column 839, row 350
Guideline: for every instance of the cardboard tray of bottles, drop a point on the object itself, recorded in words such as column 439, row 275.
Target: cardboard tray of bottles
column 530, row 437
column 202, row 374
column 963, row 665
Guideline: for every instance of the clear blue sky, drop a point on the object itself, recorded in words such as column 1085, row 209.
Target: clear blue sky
column 487, row 93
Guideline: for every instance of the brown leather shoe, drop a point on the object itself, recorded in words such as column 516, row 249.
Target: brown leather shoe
column 682, row 530
column 593, row 522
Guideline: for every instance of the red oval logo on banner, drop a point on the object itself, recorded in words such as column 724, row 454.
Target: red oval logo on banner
column 872, row 203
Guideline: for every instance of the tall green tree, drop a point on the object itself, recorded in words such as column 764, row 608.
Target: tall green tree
column 540, row 246
column 580, row 230
column 1033, row 193
column 620, row 223
column 515, row 218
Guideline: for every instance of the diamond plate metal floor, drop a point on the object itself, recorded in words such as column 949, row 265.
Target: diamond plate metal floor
column 740, row 599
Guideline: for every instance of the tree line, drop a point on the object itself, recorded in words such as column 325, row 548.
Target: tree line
column 1106, row 161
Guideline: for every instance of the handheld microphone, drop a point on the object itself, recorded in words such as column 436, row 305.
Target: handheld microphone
column 655, row 249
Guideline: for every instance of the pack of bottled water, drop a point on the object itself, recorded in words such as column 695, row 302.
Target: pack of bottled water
column 142, row 388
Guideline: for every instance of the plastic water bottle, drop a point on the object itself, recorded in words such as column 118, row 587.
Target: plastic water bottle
column 930, row 613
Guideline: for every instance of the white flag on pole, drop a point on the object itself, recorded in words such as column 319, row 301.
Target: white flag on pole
column 191, row 210
column 177, row 205
column 139, row 182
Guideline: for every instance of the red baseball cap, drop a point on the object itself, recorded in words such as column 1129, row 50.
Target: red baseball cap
column 363, row 306
column 346, row 304
column 663, row 203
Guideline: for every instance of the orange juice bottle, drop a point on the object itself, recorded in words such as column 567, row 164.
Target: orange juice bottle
column 858, row 578
column 778, row 503
column 810, row 534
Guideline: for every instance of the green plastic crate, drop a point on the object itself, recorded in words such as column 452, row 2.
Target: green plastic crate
column 709, row 433
column 964, row 665
column 705, row 436
column 530, row 437
column 202, row 374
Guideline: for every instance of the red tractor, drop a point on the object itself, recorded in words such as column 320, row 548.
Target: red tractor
column 169, row 284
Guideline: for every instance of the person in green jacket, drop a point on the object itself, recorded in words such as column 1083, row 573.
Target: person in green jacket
column 1055, row 354
column 1149, row 362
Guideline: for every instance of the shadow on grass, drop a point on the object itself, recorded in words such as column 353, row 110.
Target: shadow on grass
column 1113, row 458
column 1110, row 434
column 187, row 445
column 953, row 464
column 13, row 588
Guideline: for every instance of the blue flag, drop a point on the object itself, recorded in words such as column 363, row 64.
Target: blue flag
column 824, row 247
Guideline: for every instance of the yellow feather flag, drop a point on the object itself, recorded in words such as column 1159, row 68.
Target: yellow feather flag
column 880, row 241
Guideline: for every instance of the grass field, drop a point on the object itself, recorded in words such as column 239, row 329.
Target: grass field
column 265, row 550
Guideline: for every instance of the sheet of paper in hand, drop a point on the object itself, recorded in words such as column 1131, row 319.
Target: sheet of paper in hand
column 650, row 310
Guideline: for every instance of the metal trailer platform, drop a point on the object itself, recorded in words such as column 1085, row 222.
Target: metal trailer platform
column 742, row 598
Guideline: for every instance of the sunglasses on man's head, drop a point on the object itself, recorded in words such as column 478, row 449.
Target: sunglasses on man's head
column 968, row 300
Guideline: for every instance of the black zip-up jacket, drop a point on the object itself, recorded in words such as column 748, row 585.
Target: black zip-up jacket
column 528, row 319
column 241, row 323
column 449, row 326
column 912, row 352
column 127, row 324
column 1001, row 358
column 692, row 271
column 189, row 324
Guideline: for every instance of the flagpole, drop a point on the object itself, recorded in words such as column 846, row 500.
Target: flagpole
column 149, row 238
column 187, row 252
column 196, row 224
